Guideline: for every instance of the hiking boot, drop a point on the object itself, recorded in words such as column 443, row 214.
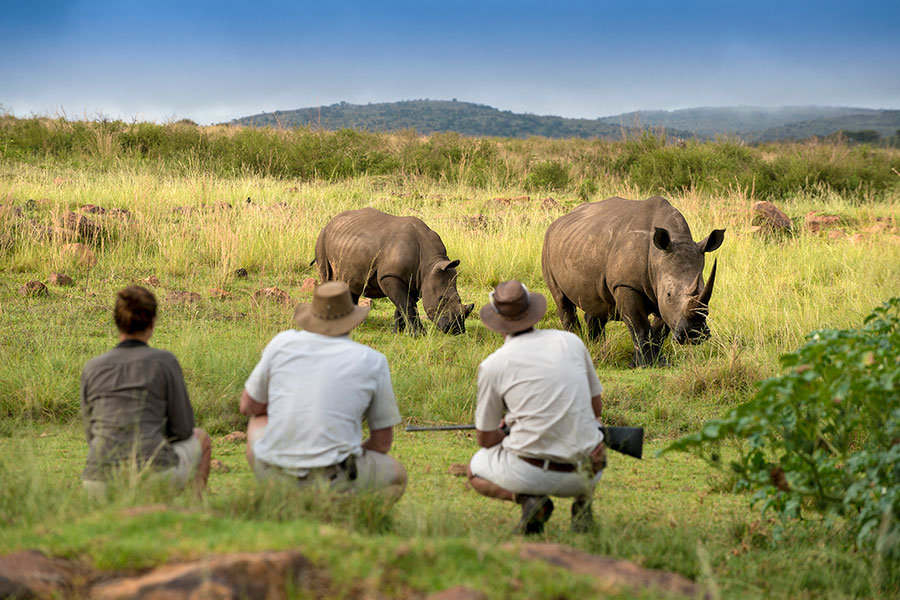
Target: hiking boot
column 536, row 511
column 582, row 515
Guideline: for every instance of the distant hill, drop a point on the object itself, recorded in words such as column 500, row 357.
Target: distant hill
column 885, row 122
column 429, row 116
column 752, row 124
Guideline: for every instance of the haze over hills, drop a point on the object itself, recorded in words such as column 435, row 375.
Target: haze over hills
column 753, row 124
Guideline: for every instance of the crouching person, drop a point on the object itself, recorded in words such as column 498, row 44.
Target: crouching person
column 135, row 406
column 308, row 396
column 548, row 443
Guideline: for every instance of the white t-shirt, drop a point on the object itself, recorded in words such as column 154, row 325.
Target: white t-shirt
column 318, row 389
column 545, row 380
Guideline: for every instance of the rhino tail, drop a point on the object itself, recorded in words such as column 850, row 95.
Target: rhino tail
column 312, row 262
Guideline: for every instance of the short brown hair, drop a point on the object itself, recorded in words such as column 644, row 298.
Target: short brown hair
column 135, row 309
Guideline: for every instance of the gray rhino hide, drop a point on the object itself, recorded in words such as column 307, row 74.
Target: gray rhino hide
column 627, row 260
column 380, row 255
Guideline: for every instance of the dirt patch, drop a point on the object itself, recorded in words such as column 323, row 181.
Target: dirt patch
column 183, row 297
column 236, row 437
column 768, row 218
column 219, row 294
column 611, row 572
column 308, row 286
column 273, row 294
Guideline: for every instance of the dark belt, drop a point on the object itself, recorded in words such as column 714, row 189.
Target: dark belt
column 549, row 465
column 348, row 465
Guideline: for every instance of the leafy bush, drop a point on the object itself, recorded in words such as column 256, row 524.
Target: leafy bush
column 825, row 435
column 550, row 175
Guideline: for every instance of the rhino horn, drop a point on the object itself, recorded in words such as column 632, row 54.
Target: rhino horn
column 706, row 294
column 694, row 289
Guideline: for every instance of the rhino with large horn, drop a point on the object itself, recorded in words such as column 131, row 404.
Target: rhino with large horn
column 630, row 260
column 380, row 255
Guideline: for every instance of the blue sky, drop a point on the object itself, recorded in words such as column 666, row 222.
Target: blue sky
column 213, row 61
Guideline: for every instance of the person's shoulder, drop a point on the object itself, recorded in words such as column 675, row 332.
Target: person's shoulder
column 566, row 336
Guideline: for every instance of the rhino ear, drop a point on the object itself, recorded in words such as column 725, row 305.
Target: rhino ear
column 661, row 239
column 712, row 242
column 444, row 265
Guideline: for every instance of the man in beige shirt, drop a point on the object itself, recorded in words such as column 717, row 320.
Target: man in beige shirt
column 548, row 443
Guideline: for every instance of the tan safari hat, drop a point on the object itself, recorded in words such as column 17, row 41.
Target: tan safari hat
column 513, row 308
column 331, row 311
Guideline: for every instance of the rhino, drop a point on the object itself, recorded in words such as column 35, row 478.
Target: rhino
column 380, row 255
column 628, row 260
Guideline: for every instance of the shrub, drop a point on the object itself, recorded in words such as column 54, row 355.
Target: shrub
column 825, row 435
column 550, row 175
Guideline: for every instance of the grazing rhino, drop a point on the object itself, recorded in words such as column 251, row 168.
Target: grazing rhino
column 380, row 255
column 627, row 260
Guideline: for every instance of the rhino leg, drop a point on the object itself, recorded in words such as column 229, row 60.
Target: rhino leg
column 632, row 308
column 566, row 310
column 406, row 314
column 595, row 326
column 658, row 333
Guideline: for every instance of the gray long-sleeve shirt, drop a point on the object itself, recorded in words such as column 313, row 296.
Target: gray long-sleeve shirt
column 133, row 401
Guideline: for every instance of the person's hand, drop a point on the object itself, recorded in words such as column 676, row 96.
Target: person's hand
column 504, row 428
column 598, row 458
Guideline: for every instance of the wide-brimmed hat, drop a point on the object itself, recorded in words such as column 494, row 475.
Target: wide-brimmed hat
column 513, row 308
column 331, row 311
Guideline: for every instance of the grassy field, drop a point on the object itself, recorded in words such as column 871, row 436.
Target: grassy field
column 193, row 230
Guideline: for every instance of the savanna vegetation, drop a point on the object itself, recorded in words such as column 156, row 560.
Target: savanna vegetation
column 189, row 209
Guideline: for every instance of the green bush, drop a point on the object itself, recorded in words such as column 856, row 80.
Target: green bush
column 550, row 175
column 825, row 436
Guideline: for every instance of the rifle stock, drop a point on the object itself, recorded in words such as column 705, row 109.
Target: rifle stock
column 627, row 440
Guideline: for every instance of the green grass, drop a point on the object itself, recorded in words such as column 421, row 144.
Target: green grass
column 658, row 512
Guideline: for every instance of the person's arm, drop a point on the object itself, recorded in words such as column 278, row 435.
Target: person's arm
column 178, row 407
column 380, row 440
column 487, row 439
column 251, row 407
column 85, row 410
column 597, row 405
column 382, row 413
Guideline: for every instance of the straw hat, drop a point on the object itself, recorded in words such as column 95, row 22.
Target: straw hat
column 331, row 311
column 513, row 308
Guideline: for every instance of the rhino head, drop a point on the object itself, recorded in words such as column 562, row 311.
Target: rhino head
column 441, row 300
column 677, row 275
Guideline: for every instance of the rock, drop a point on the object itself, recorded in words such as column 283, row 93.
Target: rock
column 219, row 293
column 816, row 222
column 151, row 280
column 272, row 293
column 549, row 203
column 30, row 574
column 236, row 436
column 81, row 225
column 308, row 286
column 478, row 221
column 233, row 576
column 34, row 288
column 876, row 228
column 242, row 272
column 365, row 302
column 458, row 592
column 856, row 238
column 218, row 466
column 83, row 255
column 513, row 200
column 836, row 234
column 183, row 297
column 93, row 209
column 458, row 470
column 611, row 572
column 770, row 218
column 60, row 279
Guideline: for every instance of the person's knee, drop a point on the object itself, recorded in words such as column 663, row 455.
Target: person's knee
column 400, row 475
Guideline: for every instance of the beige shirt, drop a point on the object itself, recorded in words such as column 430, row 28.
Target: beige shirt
column 319, row 389
column 544, row 380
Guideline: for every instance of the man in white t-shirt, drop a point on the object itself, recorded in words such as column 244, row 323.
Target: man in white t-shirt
column 309, row 394
column 548, row 443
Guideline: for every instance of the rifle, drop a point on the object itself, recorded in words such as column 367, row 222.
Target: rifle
column 627, row 440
